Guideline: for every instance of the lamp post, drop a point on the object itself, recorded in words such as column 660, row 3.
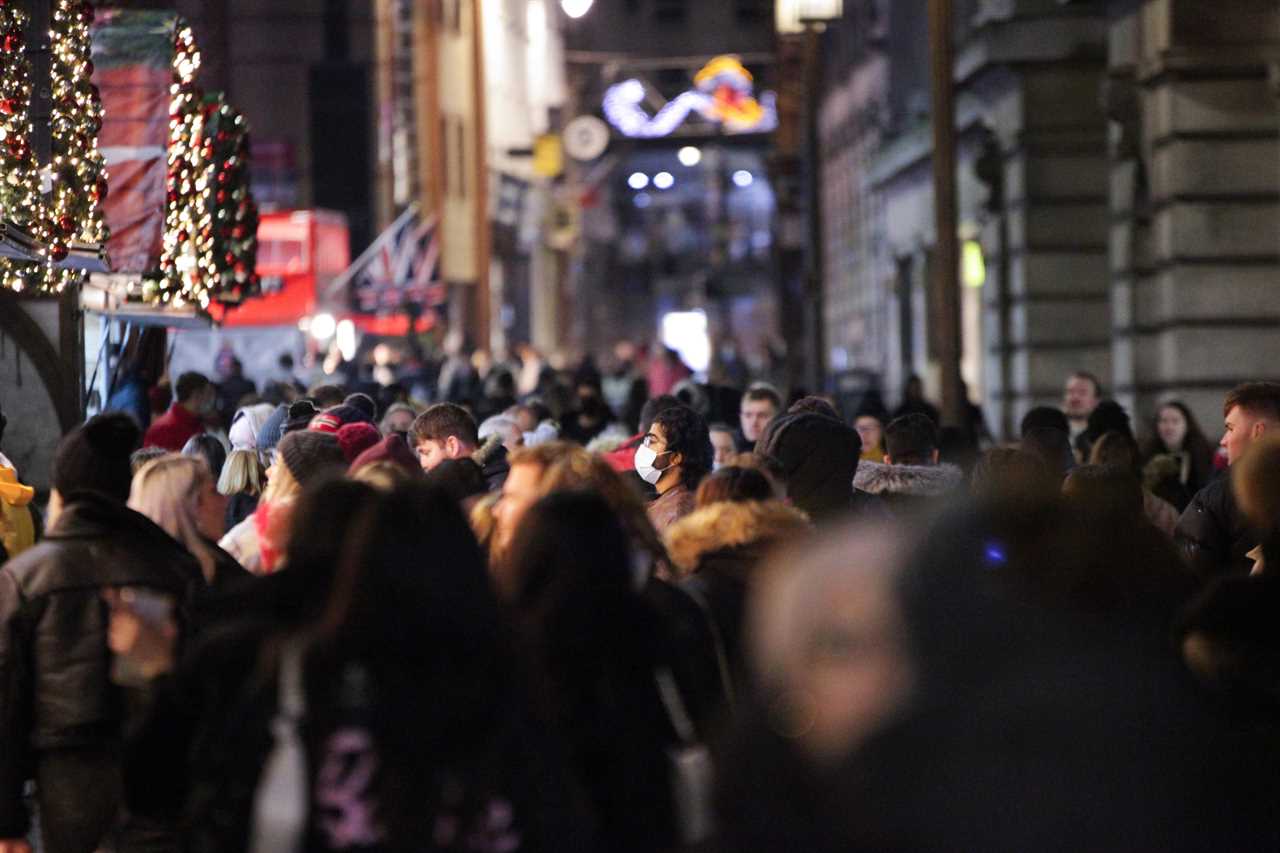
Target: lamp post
column 802, row 22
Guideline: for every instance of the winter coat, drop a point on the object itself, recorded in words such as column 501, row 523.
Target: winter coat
column 56, row 695
column 1214, row 535
column 173, row 429
column 717, row 548
column 492, row 459
column 909, row 487
column 671, row 506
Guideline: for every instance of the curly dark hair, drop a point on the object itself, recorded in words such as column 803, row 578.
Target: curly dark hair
column 686, row 433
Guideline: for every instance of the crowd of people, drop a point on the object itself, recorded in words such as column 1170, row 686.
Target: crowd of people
column 575, row 610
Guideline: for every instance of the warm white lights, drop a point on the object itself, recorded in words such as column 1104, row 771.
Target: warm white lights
column 638, row 180
column 689, row 156
column 664, row 180
column 576, row 8
column 743, row 178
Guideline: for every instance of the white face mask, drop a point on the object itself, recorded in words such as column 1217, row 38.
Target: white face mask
column 645, row 457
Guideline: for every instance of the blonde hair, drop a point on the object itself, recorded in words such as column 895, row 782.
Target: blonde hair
column 282, row 486
column 167, row 490
column 242, row 473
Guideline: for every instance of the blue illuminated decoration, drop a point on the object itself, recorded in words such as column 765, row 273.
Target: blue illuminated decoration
column 723, row 93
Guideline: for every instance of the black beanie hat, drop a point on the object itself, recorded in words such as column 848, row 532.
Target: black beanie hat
column 95, row 456
column 300, row 414
column 364, row 403
column 307, row 453
column 819, row 458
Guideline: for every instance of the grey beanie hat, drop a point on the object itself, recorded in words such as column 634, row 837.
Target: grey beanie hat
column 307, row 453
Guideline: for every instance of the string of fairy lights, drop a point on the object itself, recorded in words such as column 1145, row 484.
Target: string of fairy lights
column 58, row 204
column 209, row 247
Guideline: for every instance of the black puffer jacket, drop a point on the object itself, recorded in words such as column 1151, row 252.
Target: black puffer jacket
column 1213, row 533
column 55, row 687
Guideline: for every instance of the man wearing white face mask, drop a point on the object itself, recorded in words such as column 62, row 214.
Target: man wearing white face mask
column 675, row 456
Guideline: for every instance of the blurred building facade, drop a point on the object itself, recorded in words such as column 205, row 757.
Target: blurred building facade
column 1119, row 197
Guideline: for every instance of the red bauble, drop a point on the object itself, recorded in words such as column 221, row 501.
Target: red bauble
column 222, row 177
column 182, row 236
column 239, row 232
column 9, row 106
column 13, row 41
column 230, row 258
column 17, row 147
column 173, row 196
column 100, row 189
column 222, row 136
column 67, row 226
column 221, row 197
column 241, row 269
column 58, row 251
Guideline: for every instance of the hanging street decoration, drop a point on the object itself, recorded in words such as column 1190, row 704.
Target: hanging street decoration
column 50, row 209
column 209, row 248
column 723, row 93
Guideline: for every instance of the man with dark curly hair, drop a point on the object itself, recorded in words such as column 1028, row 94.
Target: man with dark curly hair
column 674, row 457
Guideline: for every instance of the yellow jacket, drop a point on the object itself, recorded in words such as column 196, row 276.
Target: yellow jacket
column 17, row 529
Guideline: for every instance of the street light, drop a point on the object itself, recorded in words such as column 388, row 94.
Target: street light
column 795, row 16
column 576, row 8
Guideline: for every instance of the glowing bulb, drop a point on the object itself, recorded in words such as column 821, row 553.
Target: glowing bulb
column 743, row 178
column 638, row 180
column 664, row 180
column 689, row 156
column 576, row 8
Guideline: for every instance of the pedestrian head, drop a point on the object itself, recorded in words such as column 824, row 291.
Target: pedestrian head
column 1044, row 417
column 760, row 404
column 675, row 450
column 722, row 444
column 911, row 440
column 817, row 457
column 651, row 409
column 177, row 492
column 326, row 396
column 1081, row 395
column 505, row 428
column 95, row 456
column 1250, row 411
column 814, row 405
column 1053, row 446
column 302, row 457
column 1256, row 484
column 399, row 419
column 444, row 431
column 1005, row 475
column 735, row 484
column 870, row 427
column 247, row 423
column 365, row 404
column 356, row 438
column 460, row 479
column 195, row 393
column 143, row 455
column 1111, row 490
column 208, row 449
column 242, row 474
column 1118, row 449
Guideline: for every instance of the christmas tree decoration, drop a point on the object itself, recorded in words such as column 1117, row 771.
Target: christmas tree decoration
column 209, row 249
column 54, row 208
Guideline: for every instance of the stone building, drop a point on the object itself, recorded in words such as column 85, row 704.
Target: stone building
column 1118, row 178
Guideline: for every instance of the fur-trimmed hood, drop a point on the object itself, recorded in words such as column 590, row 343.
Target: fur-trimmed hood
column 488, row 450
column 922, row 481
column 724, row 525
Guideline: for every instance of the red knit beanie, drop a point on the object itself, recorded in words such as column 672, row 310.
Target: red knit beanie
column 357, row 438
column 391, row 449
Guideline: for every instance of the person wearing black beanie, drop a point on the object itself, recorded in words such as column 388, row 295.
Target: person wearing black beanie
column 63, row 719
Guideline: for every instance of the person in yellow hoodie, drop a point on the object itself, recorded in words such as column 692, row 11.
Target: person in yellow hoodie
column 17, row 525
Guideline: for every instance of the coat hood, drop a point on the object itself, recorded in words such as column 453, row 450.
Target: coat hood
column 724, row 525
column 924, row 481
column 490, row 451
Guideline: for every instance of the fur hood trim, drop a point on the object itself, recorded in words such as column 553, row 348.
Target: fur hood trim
column 487, row 451
column 916, row 480
column 729, row 525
